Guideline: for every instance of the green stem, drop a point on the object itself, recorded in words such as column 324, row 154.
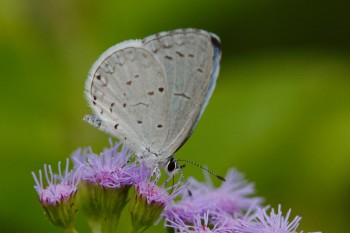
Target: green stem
column 94, row 226
column 70, row 230
column 105, row 224
column 103, row 206
column 109, row 224
column 134, row 229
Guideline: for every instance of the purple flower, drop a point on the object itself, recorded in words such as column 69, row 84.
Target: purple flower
column 58, row 197
column 106, row 180
column 201, row 224
column 59, row 187
column 110, row 169
column 231, row 198
column 149, row 200
column 151, row 192
column 262, row 222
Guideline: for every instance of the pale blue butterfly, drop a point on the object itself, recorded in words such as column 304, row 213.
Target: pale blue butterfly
column 151, row 93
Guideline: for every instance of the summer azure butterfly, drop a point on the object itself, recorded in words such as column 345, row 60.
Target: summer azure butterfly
column 151, row 93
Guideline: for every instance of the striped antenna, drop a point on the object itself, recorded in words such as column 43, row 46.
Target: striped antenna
column 202, row 167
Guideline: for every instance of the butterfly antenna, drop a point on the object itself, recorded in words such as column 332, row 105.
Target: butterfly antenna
column 203, row 168
column 129, row 160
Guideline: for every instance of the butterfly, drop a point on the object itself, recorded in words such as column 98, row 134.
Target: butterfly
column 151, row 93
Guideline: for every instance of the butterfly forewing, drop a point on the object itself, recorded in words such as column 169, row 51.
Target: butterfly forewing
column 123, row 91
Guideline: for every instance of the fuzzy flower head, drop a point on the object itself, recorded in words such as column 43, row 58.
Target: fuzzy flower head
column 200, row 224
column 153, row 193
column 111, row 169
column 106, row 181
column 60, row 187
column 58, row 197
column 149, row 200
column 232, row 198
column 263, row 222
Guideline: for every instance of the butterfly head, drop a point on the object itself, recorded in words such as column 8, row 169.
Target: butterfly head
column 172, row 167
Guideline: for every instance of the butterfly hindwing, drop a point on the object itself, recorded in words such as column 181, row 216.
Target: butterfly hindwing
column 190, row 58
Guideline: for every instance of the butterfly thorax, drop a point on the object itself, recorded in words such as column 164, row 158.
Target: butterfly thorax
column 169, row 163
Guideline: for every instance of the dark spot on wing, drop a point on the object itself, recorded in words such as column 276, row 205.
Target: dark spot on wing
column 159, row 126
column 190, row 55
column 124, row 105
column 168, row 57
column 150, row 93
column 128, row 82
column 161, row 89
column 180, row 54
column 98, row 77
column 116, row 126
column 136, row 75
column 95, row 97
column 140, row 103
column 93, row 102
column 110, row 109
column 139, row 122
column 200, row 70
column 182, row 95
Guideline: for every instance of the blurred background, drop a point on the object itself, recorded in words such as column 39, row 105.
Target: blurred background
column 280, row 113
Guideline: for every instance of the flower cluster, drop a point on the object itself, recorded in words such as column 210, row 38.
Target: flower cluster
column 103, row 183
column 108, row 182
column 231, row 208
column 233, row 197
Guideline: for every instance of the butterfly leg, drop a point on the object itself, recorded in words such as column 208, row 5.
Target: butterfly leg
column 156, row 174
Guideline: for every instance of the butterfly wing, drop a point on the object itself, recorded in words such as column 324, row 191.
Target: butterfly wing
column 127, row 91
column 151, row 93
column 191, row 61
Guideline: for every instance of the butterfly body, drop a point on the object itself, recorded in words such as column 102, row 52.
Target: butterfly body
column 151, row 93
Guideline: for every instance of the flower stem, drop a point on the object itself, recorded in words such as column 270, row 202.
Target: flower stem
column 109, row 224
column 103, row 206
column 137, row 230
column 70, row 230
column 105, row 224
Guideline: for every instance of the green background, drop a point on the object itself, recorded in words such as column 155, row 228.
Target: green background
column 280, row 113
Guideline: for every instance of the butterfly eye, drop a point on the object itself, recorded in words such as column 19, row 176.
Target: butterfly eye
column 171, row 165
